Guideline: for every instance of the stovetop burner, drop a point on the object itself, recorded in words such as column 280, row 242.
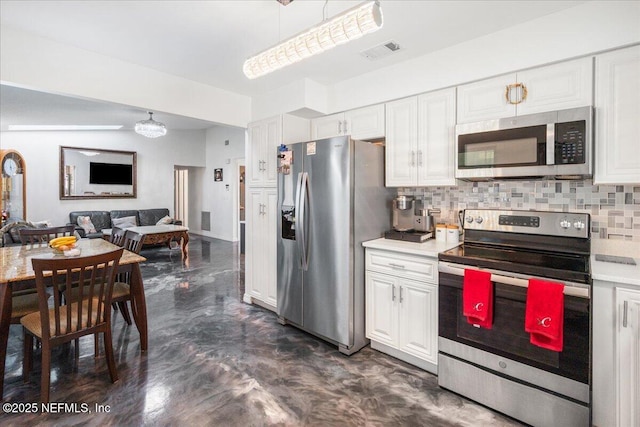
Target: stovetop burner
column 570, row 267
column 552, row 245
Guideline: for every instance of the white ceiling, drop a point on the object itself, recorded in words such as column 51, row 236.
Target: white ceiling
column 208, row 41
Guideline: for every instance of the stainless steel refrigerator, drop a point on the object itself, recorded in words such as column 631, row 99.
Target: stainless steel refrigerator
column 331, row 197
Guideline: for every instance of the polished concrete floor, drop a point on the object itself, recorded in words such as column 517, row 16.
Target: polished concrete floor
column 216, row 361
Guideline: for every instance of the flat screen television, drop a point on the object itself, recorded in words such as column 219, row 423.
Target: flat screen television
column 110, row 173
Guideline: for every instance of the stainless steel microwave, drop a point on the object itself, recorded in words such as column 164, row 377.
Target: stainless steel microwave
column 555, row 145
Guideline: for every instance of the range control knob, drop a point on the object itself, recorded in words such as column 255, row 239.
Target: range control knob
column 479, row 219
column 469, row 219
column 565, row 223
column 578, row 225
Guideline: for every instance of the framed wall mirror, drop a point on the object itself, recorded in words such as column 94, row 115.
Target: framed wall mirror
column 90, row 173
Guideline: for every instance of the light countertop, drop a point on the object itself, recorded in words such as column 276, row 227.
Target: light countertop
column 615, row 272
column 430, row 248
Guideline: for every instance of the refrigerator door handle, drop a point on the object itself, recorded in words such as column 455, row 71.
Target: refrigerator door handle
column 304, row 186
column 299, row 218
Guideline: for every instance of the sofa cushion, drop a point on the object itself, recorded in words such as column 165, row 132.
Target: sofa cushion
column 84, row 221
column 165, row 220
column 124, row 222
column 100, row 219
column 152, row 216
column 124, row 214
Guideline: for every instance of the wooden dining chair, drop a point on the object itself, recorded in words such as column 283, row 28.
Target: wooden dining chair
column 122, row 288
column 117, row 236
column 32, row 236
column 89, row 313
column 26, row 301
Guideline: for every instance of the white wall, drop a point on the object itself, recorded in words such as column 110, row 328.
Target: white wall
column 588, row 28
column 155, row 163
column 216, row 197
column 41, row 64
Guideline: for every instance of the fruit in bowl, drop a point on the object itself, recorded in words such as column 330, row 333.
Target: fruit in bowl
column 63, row 244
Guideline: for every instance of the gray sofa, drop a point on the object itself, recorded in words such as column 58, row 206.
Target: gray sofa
column 103, row 219
column 10, row 233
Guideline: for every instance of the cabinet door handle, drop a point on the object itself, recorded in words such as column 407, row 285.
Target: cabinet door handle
column 400, row 294
column 396, row 265
column 413, row 158
column 419, row 157
column 393, row 292
column 625, row 309
column 521, row 93
column 339, row 127
column 345, row 127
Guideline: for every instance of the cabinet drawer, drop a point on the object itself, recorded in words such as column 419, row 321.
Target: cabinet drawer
column 403, row 265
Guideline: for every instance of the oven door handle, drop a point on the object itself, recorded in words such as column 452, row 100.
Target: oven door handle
column 456, row 270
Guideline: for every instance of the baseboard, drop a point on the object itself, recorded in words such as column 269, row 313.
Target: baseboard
column 405, row 357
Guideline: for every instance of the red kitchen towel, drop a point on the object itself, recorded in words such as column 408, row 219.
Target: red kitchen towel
column 544, row 315
column 477, row 298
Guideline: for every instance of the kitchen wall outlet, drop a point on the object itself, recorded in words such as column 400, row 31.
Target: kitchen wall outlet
column 226, row 142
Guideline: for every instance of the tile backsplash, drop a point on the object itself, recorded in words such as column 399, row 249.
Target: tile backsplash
column 614, row 209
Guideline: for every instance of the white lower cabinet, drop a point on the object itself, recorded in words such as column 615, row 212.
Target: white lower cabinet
column 627, row 361
column 260, row 256
column 616, row 355
column 402, row 306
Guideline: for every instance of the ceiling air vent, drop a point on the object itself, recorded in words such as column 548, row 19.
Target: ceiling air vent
column 380, row 51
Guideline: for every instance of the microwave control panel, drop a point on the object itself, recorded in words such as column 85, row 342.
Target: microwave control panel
column 570, row 143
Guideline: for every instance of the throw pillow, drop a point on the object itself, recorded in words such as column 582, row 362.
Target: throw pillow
column 124, row 222
column 86, row 224
column 42, row 224
column 165, row 220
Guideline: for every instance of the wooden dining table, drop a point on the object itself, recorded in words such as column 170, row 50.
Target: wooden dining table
column 16, row 273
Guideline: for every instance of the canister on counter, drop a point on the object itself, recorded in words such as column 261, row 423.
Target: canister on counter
column 441, row 232
column 453, row 234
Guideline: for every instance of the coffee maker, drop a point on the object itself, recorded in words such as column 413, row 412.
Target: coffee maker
column 410, row 222
column 403, row 212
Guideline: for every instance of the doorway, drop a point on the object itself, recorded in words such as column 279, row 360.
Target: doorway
column 181, row 196
column 241, row 202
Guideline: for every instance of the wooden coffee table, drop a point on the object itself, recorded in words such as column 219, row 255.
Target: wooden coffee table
column 157, row 234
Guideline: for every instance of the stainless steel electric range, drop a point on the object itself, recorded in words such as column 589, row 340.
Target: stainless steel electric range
column 499, row 367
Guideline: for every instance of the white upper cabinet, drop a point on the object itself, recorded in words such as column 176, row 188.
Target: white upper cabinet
column 617, row 117
column 420, row 142
column 327, row 126
column 402, row 143
column 436, row 138
column 262, row 150
column 485, row 99
column 365, row 123
column 264, row 138
column 554, row 87
column 362, row 123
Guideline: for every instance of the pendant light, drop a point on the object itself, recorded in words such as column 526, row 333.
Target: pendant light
column 349, row 25
column 150, row 128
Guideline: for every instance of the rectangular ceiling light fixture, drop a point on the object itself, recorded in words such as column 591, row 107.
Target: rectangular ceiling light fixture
column 63, row 127
column 349, row 25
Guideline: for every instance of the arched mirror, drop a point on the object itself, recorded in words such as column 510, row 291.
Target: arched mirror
column 13, row 186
